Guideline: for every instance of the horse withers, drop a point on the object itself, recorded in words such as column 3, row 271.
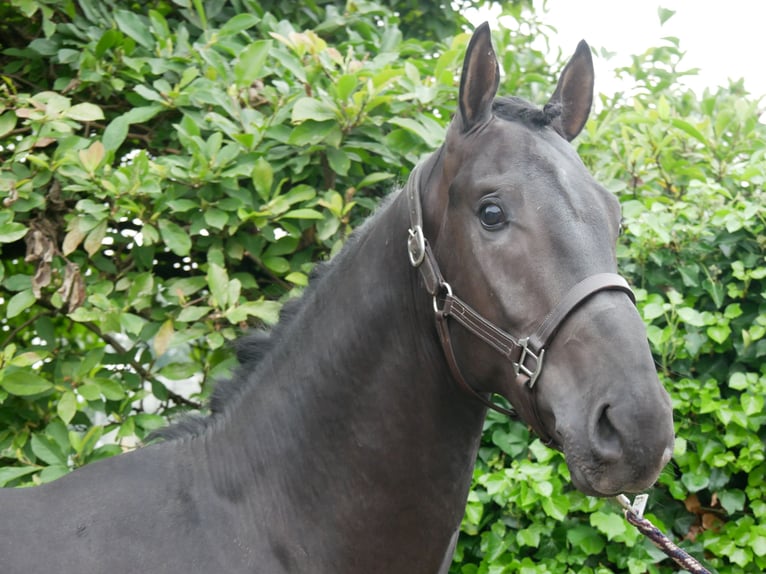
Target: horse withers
column 346, row 440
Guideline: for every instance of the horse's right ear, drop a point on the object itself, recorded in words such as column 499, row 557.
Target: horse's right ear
column 479, row 80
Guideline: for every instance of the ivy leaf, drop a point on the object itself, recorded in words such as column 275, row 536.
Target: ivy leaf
column 719, row 333
column 611, row 524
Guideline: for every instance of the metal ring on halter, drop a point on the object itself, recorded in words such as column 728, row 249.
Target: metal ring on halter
column 446, row 287
column 416, row 246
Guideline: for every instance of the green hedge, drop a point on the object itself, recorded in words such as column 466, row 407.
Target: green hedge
column 170, row 173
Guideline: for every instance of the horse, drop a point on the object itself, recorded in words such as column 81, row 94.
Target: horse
column 345, row 441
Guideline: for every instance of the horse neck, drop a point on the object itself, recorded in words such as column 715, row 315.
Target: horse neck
column 354, row 416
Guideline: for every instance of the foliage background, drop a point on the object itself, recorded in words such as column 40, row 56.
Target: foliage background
column 171, row 170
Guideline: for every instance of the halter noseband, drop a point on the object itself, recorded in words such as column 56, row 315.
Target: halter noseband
column 526, row 354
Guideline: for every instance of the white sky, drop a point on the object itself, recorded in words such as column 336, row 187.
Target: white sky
column 725, row 39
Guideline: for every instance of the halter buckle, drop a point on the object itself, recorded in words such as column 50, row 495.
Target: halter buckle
column 520, row 367
column 416, row 245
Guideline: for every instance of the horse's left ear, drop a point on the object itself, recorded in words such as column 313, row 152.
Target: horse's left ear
column 479, row 80
column 574, row 93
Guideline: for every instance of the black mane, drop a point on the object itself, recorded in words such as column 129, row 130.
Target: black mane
column 517, row 109
column 252, row 347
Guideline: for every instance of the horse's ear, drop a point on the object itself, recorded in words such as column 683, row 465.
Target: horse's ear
column 574, row 93
column 479, row 80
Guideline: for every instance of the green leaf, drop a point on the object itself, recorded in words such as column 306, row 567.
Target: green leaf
column 691, row 316
column 611, row 524
column 216, row 218
column 696, row 479
column 117, row 130
column 9, row 473
column 111, row 389
column 237, row 24
column 46, row 449
column 19, row 302
column 248, row 67
column 92, row 157
column 665, row 14
column 66, row 407
column 53, row 472
column 218, row 282
column 24, row 383
column 586, row 538
column 312, row 109
column 134, row 26
column 739, row 381
column 432, row 137
column 278, row 265
column 346, row 85
column 162, row 339
column 719, row 333
column 338, row 160
column 95, row 239
column 84, row 112
column 263, row 178
column 732, row 500
column 193, row 313
column 312, row 132
column 510, row 441
column 373, row 178
column 266, row 311
column 690, row 130
column 109, row 38
column 7, row 123
column 303, row 214
column 12, row 231
column 175, row 237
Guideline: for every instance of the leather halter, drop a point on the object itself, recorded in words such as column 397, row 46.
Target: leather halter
column 526, row 354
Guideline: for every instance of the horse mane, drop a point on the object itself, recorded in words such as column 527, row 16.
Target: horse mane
column 251, row 348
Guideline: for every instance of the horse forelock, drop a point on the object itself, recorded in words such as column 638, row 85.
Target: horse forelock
column 513, row 108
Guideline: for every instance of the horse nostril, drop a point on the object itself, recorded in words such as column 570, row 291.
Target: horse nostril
column 607, row 441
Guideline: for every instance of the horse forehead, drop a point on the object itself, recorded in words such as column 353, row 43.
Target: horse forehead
column 512, row 155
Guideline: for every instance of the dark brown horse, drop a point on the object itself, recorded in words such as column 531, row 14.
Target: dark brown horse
column 347, row 440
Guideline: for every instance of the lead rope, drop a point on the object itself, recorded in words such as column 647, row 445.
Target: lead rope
column 634, row 513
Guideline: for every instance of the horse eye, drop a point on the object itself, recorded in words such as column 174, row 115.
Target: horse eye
column 492, row 216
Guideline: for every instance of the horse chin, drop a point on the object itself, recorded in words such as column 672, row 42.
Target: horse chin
column 584, row 483
column 601, row 479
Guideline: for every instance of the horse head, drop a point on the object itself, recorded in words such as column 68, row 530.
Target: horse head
column 516, row 224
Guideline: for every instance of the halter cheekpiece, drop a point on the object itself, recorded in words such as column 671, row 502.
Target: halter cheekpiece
column 526, row 354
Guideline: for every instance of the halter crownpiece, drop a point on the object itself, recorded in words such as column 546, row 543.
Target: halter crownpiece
column 526, row 354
